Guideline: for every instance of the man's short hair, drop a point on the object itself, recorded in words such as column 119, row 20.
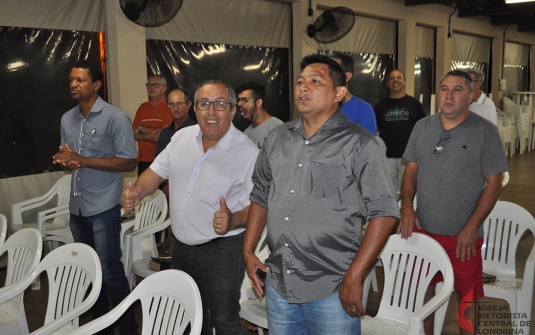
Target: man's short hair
column 231, row 93
column 402, row 73
column 460, row 73
column 187, row 96
column 480, row 76
column 336, row 72
column 258, row 90
column 164, row 82
column 347, row 62
column 94, row 70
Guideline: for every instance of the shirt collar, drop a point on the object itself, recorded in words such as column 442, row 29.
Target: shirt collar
column 333, row 125
column 225, row 143
column 97, row 107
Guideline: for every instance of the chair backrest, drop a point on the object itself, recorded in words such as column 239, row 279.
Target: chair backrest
column 71, row 270
column 3, row 228
column 150, row 212
column 23, row 254
column 61, row 189
column 409, row 265
column 170, row 300
column 262, row 252
column 503, row 229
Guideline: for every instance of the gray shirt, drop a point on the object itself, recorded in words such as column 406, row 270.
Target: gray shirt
column 259, row 134
column 450, row 183
column 104, row 133
column 319, row 191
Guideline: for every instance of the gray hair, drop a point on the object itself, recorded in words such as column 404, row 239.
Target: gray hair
column 231, row 93
column 164, row 82
column 480, row 76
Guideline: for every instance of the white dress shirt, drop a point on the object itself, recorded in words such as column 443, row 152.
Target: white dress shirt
column 198, row 179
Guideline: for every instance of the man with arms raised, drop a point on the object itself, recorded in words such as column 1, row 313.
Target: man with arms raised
column 317, row 180
column 98, row 145
column 209, row 168
column 251, row 98
column 451, row 156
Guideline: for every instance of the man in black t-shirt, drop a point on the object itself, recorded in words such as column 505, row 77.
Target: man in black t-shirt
column 396, row 116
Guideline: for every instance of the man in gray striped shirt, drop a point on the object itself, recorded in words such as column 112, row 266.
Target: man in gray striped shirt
column 317, row 180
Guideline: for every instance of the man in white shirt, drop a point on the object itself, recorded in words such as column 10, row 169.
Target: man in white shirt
column 209, row 197
column 481, row 105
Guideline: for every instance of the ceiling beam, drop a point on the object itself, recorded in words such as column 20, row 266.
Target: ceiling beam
column 501, row 9
column 512, row 19
column 526, row 27
column 426, row 2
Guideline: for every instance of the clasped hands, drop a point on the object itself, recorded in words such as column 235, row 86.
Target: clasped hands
column 67, row 157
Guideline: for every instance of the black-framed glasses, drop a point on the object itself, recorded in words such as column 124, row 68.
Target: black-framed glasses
column 444, row 138
column 218, row 105
column 153, row 85
column 177, row 104
column 244, row 100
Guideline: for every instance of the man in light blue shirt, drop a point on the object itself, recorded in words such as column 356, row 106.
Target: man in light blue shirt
column 97, row 144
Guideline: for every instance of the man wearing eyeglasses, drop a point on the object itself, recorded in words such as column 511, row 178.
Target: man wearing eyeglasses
column 209, row 168
column 151, row 118
column 251, row 98
column 451, row 156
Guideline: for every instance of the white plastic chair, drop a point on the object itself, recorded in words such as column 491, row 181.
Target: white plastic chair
column 3, row 228
column 136, row 259
column 170, row 300
column 152, row 210
column 253, row 307
column 53, row 223
column 23, row 255
column 71, row 270
column 503, row 229
column 409, row 265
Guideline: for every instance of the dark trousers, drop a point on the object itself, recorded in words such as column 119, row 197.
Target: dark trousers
column 101, row 232
column 218, row 269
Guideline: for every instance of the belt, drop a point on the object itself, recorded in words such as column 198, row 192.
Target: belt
column 211, row 241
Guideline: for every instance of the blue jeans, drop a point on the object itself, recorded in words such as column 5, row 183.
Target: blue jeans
column 218, row 270
column 101, row 232
column 324, row 316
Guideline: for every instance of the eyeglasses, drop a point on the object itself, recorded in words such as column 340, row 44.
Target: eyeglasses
column 218, row 105
column 153, row 85
column 177, row 104
column 244, row 100
column 444, row 137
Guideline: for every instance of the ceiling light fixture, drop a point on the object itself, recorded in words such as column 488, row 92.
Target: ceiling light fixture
column 517, row 1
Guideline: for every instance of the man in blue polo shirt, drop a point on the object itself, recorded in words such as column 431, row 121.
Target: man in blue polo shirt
column 97, row 144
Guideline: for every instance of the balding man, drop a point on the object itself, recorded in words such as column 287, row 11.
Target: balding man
column 481, row 104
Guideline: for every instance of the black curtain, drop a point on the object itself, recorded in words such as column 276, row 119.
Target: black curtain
column 187, row 65
column 35, row 66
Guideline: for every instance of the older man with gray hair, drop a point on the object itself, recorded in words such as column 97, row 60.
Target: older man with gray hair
column 481, row 105
column 209, row 197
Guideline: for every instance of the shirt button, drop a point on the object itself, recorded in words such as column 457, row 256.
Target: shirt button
column 81, row 149
column 288, row 271
column 306, row 142
column 292, row 191
column 78, row 178
column 286, row 218
column 285, row 244
column 300, row 165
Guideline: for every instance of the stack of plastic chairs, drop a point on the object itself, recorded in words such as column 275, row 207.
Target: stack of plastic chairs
column 522, row 122
column 506, row 129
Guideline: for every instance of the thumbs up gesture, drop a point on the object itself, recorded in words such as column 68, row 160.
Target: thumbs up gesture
column 223, row 220
column 130, row 197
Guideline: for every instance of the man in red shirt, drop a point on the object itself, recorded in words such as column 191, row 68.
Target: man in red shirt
column 151, row 118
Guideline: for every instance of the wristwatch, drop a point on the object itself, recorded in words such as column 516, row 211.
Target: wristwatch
column 140, row 128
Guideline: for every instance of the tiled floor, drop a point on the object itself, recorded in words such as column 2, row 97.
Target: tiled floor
column 520, row 190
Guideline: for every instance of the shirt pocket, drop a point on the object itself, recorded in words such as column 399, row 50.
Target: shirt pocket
column 214, row 187
column 322, row 178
